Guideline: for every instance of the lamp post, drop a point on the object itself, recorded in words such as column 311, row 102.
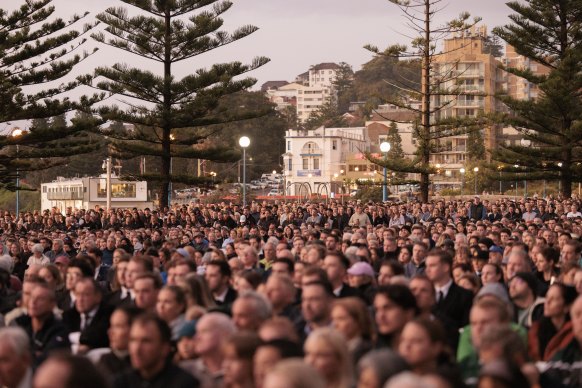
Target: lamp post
column 475, row 171
column 244, row 142
column 172, row 138
column 16, row 133
column 107, row 167
column 525, row 143
column 462, row 171
column 516, row 167
column 560, row 180
column 500, row 189
column 385, row 148
column 213, row 175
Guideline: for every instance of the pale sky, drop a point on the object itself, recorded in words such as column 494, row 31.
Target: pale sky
column 295, row 34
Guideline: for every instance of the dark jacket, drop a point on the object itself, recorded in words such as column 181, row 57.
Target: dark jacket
column 170, row 376
column 95, row 335
column 456, row 306
column 52, row 336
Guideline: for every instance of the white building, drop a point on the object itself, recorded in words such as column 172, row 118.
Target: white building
column 85, row 193
column 315, row 161
column 308, row 93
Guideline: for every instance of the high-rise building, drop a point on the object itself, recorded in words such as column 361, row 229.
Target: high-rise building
column 470, row 77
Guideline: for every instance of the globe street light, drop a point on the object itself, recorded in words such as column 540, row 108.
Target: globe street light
column 244, row 142
column 16, row 133
column 385, row 148
column 462, row 171
column 476, row 170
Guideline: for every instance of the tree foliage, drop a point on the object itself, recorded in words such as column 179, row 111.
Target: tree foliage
column 549, row 33
column 444, row 87
column 37, row 49
column 173, row 118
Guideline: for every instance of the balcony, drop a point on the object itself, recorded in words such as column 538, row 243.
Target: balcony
column 64, row 195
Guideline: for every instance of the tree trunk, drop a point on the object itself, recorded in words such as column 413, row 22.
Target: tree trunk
column 167, row 111
column 425, row 124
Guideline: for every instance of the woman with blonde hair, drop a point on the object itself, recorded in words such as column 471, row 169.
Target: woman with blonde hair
column 327, row 351
column 351, row 318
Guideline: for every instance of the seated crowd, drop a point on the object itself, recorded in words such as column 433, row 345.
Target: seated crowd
column 459, row 293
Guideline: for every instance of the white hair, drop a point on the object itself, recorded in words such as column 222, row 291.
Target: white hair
column 17, row 339
column 7, row 263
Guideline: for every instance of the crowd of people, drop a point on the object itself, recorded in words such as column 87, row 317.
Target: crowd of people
column 451, row 293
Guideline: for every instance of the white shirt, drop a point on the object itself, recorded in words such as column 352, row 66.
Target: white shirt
column 444, row 290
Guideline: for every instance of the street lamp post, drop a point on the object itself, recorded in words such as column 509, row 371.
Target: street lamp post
column 385, row 148
column 462, row 171
column 500, row 189
column 16, row 133
column 560, row 179
column 525, row 143
column 475, row 171
column 107, row 167
column 516, row 167
column 244, row 142
column 172, row 138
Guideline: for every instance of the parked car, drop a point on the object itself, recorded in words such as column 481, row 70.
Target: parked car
column 274, row 193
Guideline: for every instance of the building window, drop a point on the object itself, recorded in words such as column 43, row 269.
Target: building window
column 316, row 163
column 288, row 145
column 305, row 164
column 290, row 164
column 118, row 190
column 334, row 145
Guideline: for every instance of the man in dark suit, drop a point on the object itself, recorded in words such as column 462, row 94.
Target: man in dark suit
column 453, row 302
column 336, row 265
column 90, row 317
column 217, row 276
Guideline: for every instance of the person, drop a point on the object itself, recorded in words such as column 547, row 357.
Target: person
column 170, row 307
column 452, row 301
column 315, row 307
column 239, row 351
column 359, row 218
column 38, row 256
column 281, row 292
column 117, row 360
column 146, row 288
column 250, row 310
column 546, row 261
column 523, row 293
column 90, row 317
column 218, row 275
column 486, row 311
column 416, row 265
column 336, row 265
column 351, row 318
column 394, row 305
column 67, row 371
column 76, row 270
column 149, row 349
column 15, row 358
column 46, row 332
column 269, row 353
column 327, row 351
column 212, row 331
column 378, row 366
column 293, row 373
column 544, row 335
column 423, row 345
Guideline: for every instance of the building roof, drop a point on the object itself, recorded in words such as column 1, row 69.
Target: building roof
column 325, row 66
column 402, row 116
column 269, row 85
